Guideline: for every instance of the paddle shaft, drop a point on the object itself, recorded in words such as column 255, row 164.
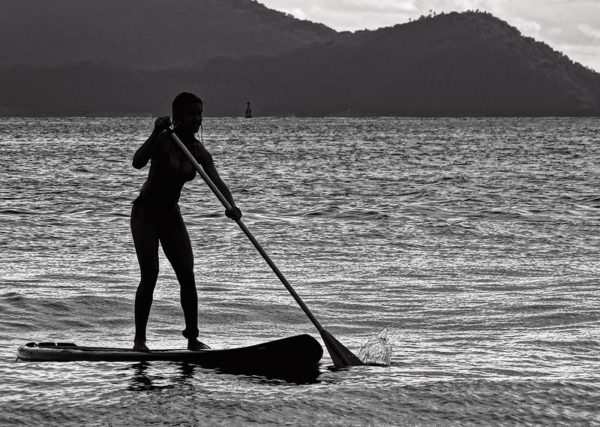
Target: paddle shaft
column 247, row 232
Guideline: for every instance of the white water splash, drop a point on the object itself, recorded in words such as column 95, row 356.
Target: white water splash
column 377, row 350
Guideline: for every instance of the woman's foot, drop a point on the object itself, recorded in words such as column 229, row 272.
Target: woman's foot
column 195, row 345
column 140, row 346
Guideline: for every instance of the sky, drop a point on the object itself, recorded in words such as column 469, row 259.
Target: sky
column 569, row 26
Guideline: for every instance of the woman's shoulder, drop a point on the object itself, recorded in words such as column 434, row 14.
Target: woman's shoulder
column 199, row 147
column 201, row 153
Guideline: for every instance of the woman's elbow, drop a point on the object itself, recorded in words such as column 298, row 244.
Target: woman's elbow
column 137, row 163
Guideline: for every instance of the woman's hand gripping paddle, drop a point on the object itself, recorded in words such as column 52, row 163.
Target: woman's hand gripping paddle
column 340, row 355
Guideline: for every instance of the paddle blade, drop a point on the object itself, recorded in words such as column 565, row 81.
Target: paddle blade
column 340, row 355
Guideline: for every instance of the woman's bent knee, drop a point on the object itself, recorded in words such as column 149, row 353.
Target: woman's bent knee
column 149, row 276
column 186, row 279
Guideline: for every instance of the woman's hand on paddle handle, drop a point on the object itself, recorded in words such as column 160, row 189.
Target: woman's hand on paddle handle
column 162, row 123
column 234, row 213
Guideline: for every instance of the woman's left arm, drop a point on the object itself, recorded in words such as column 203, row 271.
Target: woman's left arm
column 208, row 164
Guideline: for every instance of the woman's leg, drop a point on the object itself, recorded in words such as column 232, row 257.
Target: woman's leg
column 178, row 249
column 145, row 238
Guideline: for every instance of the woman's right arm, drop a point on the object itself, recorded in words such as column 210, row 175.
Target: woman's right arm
column 144, row 153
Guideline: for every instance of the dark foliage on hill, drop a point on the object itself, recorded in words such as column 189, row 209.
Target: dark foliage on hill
column 451, row 65
column 146, row 34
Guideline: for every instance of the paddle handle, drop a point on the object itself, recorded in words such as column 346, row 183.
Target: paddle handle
column 247, row 232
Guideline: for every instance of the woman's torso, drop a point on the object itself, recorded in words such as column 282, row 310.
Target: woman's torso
column 169, row 171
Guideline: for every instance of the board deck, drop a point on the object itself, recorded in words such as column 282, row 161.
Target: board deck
column 298, row 354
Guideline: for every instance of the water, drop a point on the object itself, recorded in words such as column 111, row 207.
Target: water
column 473, row 242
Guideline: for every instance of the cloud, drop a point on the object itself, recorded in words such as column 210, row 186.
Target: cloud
column 594, row 33
column 298, row 13
column 348, row 15
column 527, row 26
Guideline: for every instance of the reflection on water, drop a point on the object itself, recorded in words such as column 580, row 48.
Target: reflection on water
column 143, row 380
column 146, row 377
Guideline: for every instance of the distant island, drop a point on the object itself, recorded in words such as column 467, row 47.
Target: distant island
column 115, row 57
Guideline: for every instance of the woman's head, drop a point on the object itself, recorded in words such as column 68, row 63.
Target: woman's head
column 187, row 112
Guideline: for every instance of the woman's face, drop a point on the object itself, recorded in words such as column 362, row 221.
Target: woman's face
column 190, row 118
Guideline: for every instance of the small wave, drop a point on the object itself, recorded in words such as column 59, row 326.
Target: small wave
column 82, row 169
column 19, row 212
column 571, row 346
column 361, row 214
column 322, row 211
column 337, row 212
column 23, row 314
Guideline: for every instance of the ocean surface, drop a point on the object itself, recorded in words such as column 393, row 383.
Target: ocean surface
column 464, row 250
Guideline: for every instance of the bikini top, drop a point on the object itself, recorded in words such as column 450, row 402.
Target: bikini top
column 169, row 171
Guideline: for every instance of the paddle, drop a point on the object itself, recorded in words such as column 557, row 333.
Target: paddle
column 340, row 355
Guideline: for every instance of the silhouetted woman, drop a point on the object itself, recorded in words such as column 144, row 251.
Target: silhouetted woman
column 155, row 216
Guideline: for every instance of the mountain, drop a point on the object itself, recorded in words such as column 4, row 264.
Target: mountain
column 457, row 64
column 146, row 34
column 452, row 64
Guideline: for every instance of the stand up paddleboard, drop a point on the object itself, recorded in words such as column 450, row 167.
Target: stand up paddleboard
column 297, row 355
